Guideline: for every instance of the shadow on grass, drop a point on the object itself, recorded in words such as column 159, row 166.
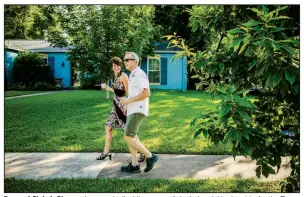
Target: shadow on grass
column 74, row 121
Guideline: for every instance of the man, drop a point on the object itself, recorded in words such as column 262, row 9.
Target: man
column 138, row 107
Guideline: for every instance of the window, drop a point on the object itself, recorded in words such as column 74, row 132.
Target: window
column 154, row 70
column 45, row 60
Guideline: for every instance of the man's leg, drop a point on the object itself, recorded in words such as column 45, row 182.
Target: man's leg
column 131, row 138
column 136, row 144
column 133, row 152
column 142, row 157
column 133, row 166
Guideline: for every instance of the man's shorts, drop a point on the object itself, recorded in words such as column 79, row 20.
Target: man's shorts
column 133, row 123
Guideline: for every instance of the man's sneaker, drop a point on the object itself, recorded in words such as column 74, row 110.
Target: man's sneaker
column 130, row 168
column 150, row 162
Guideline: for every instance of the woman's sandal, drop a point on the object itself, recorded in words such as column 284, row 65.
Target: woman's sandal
column 142, row 157
column 103, row 156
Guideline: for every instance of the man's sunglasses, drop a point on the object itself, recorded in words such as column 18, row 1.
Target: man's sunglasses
column 126, row 60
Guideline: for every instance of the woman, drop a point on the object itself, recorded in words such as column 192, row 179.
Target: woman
column 117, row 117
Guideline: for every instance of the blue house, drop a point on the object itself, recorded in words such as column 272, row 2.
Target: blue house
column 55, row 57
column 9, row 55
column 162, row 71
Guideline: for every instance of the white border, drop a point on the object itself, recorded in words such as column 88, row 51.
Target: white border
column 173, row 2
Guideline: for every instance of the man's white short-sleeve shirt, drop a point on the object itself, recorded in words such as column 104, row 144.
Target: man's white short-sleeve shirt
column 138, row 81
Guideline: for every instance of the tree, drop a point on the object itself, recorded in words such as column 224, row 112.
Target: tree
column 173, row 18
column 45, row 19
column 200, row 34
column 261, row 52
column 18, row 21
column 29, row 21
column 98, row 33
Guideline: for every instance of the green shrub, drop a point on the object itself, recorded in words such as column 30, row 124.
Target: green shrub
column 19, row 86
column 87, row 81
column 29, row 68
column 43, row 86
column 40, row 86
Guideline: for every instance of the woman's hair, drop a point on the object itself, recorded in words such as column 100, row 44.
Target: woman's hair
column 116, row 60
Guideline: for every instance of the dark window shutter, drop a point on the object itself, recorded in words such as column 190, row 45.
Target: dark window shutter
column 164, row 71
column 51, row 63
column 143, row 65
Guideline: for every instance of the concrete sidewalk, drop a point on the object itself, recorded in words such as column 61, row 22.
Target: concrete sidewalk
column 85, row 165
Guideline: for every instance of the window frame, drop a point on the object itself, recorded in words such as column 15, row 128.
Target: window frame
column 148, row 69
column 45, row 57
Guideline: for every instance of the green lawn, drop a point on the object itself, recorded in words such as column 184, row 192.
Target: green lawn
column 19, row 93
column 139, row 185
column 74, row 121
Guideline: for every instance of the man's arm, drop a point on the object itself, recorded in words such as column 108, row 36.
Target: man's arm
column 144, row 94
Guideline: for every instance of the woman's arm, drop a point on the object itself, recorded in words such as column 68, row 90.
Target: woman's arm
column 109, row 89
